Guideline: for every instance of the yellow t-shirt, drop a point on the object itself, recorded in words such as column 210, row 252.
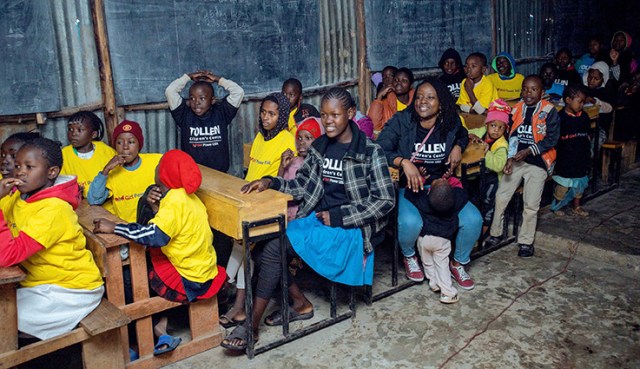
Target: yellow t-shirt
column 86, row 169
column 400, row 106
column 293, row 127
column 508, row 89
column 127, row 187
column 183, row 217
column 485, row 92
column 265, row 155
column 51, row 222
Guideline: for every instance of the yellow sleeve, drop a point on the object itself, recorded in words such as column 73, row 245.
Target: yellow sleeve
column 485, row 92
column 463, row 99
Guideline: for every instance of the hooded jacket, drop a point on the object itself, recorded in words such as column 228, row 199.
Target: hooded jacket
column 626, row 64
column 452, row 81
column 508, row 86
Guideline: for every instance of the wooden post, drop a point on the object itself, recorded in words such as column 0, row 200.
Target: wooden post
column 494, row 27
column 364, row 80
column 104, row 62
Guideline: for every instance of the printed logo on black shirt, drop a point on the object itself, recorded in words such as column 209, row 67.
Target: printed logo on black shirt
column 205, row 136
column 332, row 171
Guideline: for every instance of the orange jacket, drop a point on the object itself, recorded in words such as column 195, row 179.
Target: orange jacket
column 381, row 111
column 545, row 126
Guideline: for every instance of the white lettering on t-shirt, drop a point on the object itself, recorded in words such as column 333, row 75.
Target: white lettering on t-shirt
column 205, row 136
column 525, row 135
column 332, row 171
column 430, row 153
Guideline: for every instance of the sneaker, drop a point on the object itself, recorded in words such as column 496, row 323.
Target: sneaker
column 448, row 299
column 526, row 251
column 412, row 267
column 492, row 241
column 579, row 211
column 461, row 277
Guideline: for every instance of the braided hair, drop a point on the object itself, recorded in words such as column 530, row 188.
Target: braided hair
column 51, row 150
column 448, row 117
column 92, row 119
column 283, row 115
column 342, row 95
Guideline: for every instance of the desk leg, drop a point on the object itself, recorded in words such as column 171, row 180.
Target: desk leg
column 248, row 300
column 284, row 285
column 140, row 286
column 9, row 326
column 115, row 292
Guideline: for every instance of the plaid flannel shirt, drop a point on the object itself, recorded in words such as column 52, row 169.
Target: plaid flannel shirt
column 366, row 180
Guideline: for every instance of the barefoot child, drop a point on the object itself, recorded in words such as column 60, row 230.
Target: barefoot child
column 574, row 153
column 179, row 239
column 86, row 155
column 39, row 230
column 10, row 148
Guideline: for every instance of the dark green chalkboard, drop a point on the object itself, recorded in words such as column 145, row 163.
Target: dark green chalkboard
column 256, row 43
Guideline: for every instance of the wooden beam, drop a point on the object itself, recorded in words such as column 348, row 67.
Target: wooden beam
column 104, row 63
column 364, row 80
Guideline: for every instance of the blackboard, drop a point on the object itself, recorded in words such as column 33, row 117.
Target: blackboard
column 415, row 33
column 256, row 43
column 29, row 71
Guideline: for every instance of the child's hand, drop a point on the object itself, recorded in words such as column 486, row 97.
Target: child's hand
column 210, row 77
column 324, row 217
column 468, row 85
column 286, row 158
column 196, row 76
column 101, row 225
column 7, row 184
column 383, row 92
column 113, row 163
column 508, row 168
column 522, row 154
column 153, row 198
column 486, row 146
column 473, row 138
column 590, row 100
column 258, row 185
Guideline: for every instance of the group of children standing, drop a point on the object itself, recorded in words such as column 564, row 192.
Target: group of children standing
column 338, row 177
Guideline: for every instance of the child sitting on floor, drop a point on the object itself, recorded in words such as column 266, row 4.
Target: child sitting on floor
column 179, row 238
column 39, row 230
column 439, row 206
column 495, row 157
column 204, row 124
column 87, row 154
column 10, row 148
column 271, row 141
column 574, row 153
column 477, row 90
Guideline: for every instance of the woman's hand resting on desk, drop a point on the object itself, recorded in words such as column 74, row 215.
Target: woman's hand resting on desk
column 258, row 185
column 101, row 225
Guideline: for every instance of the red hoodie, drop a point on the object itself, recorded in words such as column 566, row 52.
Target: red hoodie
column 16, row 250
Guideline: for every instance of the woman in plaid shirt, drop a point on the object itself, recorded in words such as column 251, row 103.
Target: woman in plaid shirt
column 345, row 192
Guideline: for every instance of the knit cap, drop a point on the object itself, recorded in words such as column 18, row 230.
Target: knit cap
column 312, row 126
column 498, row 110
column 128, row 126
column 177, row 169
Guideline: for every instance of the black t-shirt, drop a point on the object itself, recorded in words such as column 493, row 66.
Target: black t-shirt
column 332, row 177
column 565, row 77
column 453, row 83
column 206, row 138
column 305, row 111
column 573, row 148
column 525, row 138
column 432, row 155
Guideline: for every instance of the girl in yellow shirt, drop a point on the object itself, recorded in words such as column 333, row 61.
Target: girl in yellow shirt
column 39, row 230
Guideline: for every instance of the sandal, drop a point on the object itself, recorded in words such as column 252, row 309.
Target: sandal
column 241, row 333
column 229, row 322
column 579, row 211
column 275, row 318
column 166, row 343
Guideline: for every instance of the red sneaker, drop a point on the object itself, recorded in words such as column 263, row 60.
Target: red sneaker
column 412, row 267
column 461, row 277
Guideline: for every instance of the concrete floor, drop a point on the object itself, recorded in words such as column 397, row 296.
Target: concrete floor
column 549, row 311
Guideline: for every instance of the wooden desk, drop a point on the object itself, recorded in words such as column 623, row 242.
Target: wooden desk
column 473, row 121
column 9, row 278
column 228, row 207
column 472, row 154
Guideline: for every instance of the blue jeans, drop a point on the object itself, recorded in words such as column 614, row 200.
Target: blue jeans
column 410, row 225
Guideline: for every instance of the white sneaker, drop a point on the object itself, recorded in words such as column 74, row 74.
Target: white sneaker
column 448, row 299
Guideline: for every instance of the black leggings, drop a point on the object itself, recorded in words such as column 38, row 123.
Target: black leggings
column 269, row 267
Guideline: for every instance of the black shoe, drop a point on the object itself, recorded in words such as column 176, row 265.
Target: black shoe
column 526, row 251
column 492, row 241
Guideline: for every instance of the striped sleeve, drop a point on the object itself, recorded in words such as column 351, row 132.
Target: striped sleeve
column 149, row 235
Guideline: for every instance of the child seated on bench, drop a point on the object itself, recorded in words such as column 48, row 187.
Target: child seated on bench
column 39, row 230
column 179, row 238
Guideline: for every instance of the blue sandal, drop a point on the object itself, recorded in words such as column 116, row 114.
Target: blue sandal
column 166, row 343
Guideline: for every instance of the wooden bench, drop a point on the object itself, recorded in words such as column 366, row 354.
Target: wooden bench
column 203, row 315
column 611, row 161
column 98, row 334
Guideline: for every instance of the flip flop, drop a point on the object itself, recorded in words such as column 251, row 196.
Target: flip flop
column 168, row 341
column 275, row 318
column 242, row 333
column 227, row 322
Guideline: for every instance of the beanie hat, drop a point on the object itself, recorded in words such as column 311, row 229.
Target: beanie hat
column 312, row 126
column 128, row 126
column 498, row 110
column 178, row 170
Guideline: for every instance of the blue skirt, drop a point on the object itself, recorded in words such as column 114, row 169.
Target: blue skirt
column 333, row 252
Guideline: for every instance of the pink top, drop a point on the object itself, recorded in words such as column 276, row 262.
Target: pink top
column 290, row 173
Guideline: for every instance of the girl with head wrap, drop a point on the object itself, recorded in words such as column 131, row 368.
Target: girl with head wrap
column 179, row 239
column 272, row 140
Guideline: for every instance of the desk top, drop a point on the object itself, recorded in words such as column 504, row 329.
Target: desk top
column 11, row 275
column 87, row 213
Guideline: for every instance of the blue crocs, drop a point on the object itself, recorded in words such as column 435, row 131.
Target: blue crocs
column 166, row 343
